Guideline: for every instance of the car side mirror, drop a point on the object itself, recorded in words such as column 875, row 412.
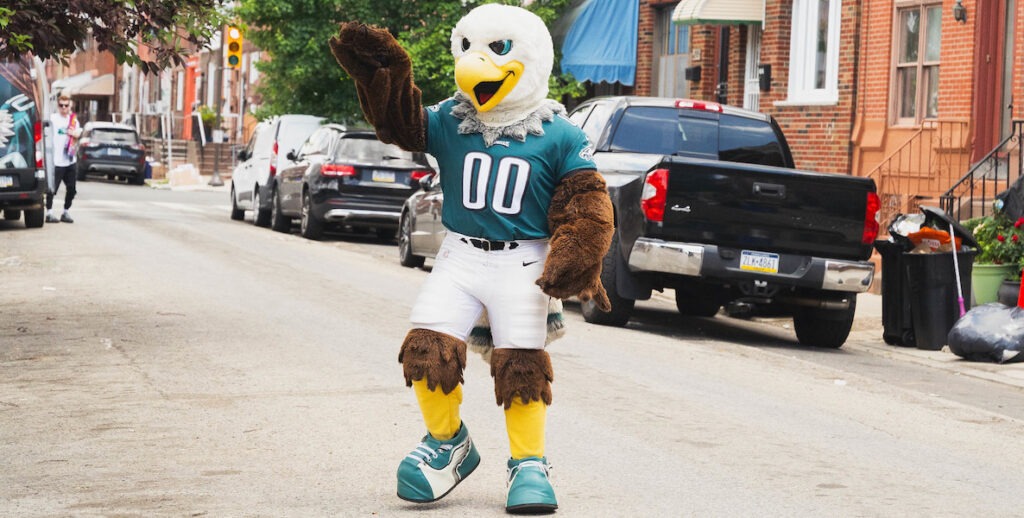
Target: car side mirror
column 426, row 183
column 292, row 155
column 242, row 155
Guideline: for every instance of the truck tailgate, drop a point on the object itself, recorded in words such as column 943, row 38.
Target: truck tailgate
column 763, row 208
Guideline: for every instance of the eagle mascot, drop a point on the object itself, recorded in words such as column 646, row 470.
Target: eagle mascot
column 528, row 221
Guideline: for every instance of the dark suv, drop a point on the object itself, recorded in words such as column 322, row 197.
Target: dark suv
column 22, row 176
column 112, row 150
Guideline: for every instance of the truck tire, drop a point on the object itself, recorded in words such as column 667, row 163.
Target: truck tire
column 34, row 218
column 621, row 306
column 261, row 216
column 695, row 304
column 826, row 328
column 237, row 214
column 278, row 221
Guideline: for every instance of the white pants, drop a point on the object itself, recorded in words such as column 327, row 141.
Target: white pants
column 466, row 279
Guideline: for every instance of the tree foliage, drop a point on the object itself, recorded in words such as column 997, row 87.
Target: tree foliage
column 53, row 29
column 301, row 75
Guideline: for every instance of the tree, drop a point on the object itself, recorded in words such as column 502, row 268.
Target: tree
column 152, row 34
column 302, row 76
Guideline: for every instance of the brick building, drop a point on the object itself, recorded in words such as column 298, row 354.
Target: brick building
column 913, row 93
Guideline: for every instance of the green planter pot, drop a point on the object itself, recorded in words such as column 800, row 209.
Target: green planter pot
column 986, row 279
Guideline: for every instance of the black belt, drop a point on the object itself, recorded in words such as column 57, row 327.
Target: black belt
column 486, row 245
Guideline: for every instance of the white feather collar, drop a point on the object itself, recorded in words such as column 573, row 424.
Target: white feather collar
column 517, row 127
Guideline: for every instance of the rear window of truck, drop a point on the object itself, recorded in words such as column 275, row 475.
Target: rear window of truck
column 670, row 131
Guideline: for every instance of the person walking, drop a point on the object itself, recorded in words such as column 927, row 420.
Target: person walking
column 65, row 132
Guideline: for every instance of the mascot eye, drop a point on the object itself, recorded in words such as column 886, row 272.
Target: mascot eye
column 465, row 44
column 501, row 47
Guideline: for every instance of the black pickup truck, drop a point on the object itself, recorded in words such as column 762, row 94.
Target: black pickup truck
column 707, row 203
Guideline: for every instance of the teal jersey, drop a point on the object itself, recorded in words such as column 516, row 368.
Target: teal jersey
column 502, row 192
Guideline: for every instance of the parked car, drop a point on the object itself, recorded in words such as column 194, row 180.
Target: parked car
column 420, row 231
column 345, row 178
column 262, row 158
column 22, row 175
column 111, row 150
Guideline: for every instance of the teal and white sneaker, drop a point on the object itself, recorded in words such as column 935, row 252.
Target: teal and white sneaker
column 529, row 491
column 435, row 467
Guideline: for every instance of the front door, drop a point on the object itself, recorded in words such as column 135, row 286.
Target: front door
column 752, row 82
column 990, row 106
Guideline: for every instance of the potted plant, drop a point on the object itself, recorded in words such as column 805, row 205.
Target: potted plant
column 1000, row 256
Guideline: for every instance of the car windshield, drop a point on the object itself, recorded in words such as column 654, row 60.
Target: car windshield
column 113, row 136
column 371, row 150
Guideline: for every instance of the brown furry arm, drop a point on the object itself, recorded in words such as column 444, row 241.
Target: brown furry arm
column 382, row 71
column 582, row 223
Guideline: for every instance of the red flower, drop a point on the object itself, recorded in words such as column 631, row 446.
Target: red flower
column 1000, row 238
column 1014, row 238
column 1019, row 222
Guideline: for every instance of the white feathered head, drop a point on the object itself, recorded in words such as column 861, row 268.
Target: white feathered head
column 503, row 58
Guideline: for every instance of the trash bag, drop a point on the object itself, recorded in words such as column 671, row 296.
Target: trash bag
column 991, row 332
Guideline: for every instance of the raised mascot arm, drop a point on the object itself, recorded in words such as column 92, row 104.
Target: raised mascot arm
column 382, row 71
column 582, row 223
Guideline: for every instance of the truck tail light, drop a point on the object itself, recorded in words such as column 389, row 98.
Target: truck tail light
column 652, row 200
column 418, row 174
column 273, row 160
column 37, row 135
column 871, row 219
column 337, row 170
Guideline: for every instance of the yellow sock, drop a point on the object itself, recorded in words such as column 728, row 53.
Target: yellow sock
column 440, row 410
column 525, row 423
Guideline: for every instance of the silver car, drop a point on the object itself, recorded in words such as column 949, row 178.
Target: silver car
column 420, row 230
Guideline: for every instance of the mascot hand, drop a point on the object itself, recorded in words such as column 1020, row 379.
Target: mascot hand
column 362, row 50
column 564, row 277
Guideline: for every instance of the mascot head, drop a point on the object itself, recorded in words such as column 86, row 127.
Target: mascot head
column 503, row 58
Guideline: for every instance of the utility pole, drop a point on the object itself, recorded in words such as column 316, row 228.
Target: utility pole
column 216, row 181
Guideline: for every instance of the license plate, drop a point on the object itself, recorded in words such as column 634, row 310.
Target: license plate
column 384, row 176
column 114, row 151
column 6, row 181
column 759, row 262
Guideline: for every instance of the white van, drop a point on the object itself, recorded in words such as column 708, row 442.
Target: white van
column 261, row 159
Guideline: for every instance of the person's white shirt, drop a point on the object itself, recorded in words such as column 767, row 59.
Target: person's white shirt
column 60, row 135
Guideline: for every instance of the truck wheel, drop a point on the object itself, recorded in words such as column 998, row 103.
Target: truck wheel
column 34, row 218
column 827, row 328
column 695, row 304
column 621, row 306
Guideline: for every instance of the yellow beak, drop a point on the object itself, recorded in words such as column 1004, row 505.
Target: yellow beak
column 486, row 83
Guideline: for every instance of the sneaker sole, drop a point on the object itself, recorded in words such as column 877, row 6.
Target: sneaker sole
column 464, row 477
column 532, row 509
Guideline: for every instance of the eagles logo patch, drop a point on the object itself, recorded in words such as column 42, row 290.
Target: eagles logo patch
column 587, row 153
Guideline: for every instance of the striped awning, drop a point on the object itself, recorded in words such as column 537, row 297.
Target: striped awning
column 719, row 12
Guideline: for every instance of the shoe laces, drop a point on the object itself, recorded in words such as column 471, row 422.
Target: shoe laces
column 514, row 470
column 424, row 453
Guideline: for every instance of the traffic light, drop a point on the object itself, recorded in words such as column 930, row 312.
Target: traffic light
column 234, row 45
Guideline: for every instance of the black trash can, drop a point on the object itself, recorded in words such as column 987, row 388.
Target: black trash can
column 934, row 305
column 897, row 325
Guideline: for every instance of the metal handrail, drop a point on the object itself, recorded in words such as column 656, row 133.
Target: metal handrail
column 983, row 182
column 921, row 167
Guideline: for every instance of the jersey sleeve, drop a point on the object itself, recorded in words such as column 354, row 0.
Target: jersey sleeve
column 436, row 132
column 578, row 153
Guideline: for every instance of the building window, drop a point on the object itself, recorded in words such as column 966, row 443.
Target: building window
column 918, row 41
column 677, row 36
column 672, row 42
column 814, row 52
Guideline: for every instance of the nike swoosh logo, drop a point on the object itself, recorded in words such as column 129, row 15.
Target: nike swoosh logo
column 528, row 263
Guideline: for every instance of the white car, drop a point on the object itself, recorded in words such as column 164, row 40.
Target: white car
column 261, row 159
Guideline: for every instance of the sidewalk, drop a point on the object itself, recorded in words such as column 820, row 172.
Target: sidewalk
column 867, row 335
column 198, row 183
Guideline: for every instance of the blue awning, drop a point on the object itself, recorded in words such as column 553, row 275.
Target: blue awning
column 601, row 45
